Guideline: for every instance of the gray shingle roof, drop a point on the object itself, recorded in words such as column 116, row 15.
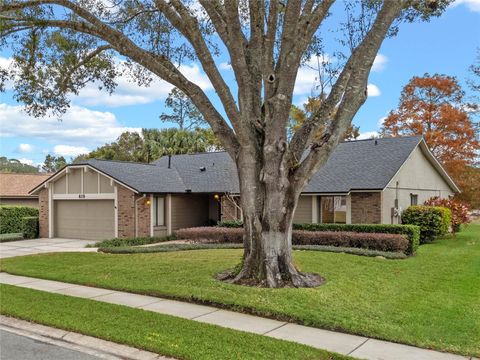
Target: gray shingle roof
column 363, row 164
column 354, row 165
column 145, row 178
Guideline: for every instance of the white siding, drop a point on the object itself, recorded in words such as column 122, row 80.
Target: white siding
column 417, row 176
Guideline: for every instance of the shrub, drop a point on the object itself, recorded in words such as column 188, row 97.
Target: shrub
column 412, row 232
column 11, row 237
column 433, row 220
column 120, row 242
column 11, row 218
column 30, row 227
column 211, row 234
column 374, row 241
column 458, row 208
column 230, row 224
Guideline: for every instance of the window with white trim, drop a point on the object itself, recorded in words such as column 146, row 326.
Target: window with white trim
column 413, row 199
column 159, row 210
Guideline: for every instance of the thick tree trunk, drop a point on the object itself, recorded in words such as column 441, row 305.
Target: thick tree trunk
column 268, row 209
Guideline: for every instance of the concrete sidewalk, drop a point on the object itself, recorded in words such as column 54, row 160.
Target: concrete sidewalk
column 353, row 345
column 43, row 245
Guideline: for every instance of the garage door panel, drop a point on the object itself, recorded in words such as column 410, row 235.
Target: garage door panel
column 84, row 219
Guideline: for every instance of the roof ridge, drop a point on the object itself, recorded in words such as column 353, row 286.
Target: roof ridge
column 117, row 161
column 383, row 138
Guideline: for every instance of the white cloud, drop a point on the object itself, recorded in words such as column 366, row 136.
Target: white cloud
column 68, row 150
column 129, row 93
column 24, row 148
column 79, row 126
column 368, row 135
column 379, row 63
column 225, row 66
column 381, row 121
column 472, row 5
column 307, row 76
column 26, row 161
column 373, row 90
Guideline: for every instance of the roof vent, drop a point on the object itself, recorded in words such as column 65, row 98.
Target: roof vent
column 202, row 168
column 376, row 142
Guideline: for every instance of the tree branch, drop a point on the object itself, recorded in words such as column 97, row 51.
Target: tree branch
column 350, row 90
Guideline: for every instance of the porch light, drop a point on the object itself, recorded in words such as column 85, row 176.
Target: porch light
column 147, row 202
column 216, row 197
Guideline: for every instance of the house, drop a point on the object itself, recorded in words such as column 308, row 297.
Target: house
column 14, row 188
column 365, row 181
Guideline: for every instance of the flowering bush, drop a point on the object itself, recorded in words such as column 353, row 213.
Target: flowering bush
column 459, row 210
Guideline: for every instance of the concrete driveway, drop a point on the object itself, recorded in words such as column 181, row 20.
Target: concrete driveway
column 37, row 246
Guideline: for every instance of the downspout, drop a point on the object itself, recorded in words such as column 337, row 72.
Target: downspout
column 136, row 213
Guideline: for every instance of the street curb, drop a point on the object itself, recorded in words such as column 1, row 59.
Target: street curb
column 74, row 341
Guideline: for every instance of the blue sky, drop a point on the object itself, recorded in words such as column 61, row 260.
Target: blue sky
column 445, row 45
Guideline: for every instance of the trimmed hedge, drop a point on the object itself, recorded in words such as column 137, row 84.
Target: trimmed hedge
column 122, row 242
column 11, row 218
column 372, row 241
column 412, row 232
column 30, row 227
column 433, row 220
column 11, row 237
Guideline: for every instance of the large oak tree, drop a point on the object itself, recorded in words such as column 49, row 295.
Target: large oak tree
column 61, row 45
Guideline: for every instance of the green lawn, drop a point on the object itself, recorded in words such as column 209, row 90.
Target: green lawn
column 163, row 334
column 429, row 300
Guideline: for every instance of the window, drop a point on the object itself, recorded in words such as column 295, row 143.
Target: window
column 413, row 199
column 333, row 209
column 159, row 209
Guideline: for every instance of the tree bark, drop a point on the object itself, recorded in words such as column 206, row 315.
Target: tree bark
column 268, row 216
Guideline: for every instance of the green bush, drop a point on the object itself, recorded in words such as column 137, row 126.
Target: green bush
column 231, row 224
column 433, row 220
column 119, row 242
column 410, row 231
column 30, row 227
column 11, row 218
column 11, row 237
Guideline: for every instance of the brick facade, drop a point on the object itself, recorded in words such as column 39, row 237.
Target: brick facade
column 43, row 213
column 366, row 208
column 230, row 211
column 126, row 214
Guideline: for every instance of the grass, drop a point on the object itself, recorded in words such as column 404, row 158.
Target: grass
column 428, row 300
column 205, row 246
column 163, row 334
column 11, row 237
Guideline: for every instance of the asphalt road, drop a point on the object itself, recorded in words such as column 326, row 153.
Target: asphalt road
column 18, row 347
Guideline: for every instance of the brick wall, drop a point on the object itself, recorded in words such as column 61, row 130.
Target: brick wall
column 366, row 208
column 229, row 210
column 143, row 213
column 126, row 214
column 43, row 213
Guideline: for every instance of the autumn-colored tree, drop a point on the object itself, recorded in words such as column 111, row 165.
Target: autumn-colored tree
column 434, row 106
column 299, row 115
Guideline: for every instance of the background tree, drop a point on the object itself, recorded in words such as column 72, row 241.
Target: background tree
column 183, row 111
column 52, row 163
column 15, row 166
column 298, row 117
column 434, row 106
column 152, row 144
column 60, row 45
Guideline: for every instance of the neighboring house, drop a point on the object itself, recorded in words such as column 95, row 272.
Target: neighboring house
column 365, row 181
column 14, row 188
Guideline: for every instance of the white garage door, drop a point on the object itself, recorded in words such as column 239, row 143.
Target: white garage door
column 84, row 219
